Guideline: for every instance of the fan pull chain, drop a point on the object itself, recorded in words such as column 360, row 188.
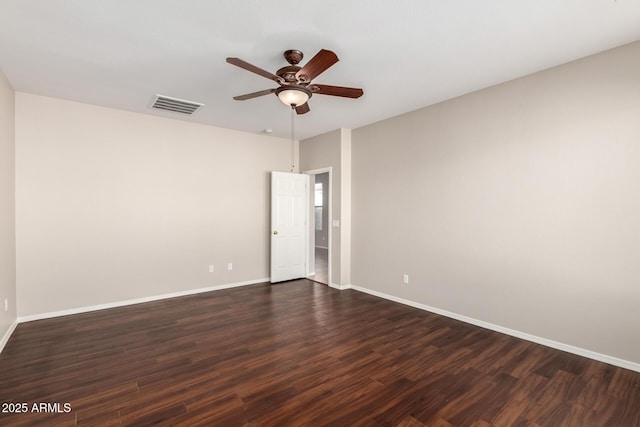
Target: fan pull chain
column 292, row 144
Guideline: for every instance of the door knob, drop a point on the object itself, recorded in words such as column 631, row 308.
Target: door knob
column 275, row 231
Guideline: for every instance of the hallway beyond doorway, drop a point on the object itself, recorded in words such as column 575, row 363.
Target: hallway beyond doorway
column 322, row 266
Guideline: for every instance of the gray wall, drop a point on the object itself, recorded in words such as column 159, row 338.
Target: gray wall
column 518, row 205
column 113, row 205
column 319, row 152
column 7, row 207
column 333, row 149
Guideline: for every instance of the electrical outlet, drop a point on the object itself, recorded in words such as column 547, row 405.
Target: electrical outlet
column 230, row 266
column 211, row 269
column 405, row 278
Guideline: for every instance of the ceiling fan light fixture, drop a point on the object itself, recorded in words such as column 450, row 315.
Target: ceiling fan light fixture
column 293, row 96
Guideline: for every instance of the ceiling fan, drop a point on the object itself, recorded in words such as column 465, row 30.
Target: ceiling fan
column 295, row 82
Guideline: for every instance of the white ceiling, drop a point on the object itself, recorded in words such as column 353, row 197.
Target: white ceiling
column 405, row 54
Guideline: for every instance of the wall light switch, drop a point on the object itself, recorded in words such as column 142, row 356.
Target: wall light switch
column 211, row 269
column 405, row 278
column 230, row 266
column 336, row 223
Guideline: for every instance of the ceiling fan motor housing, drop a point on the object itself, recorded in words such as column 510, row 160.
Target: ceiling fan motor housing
column 288, row 73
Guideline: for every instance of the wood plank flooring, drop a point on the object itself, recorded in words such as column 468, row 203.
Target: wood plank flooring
column 299, row 353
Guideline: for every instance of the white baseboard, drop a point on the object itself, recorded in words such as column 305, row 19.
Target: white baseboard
column 7, row 335
column 518, row 334
column 339, row 287
column 49, row 315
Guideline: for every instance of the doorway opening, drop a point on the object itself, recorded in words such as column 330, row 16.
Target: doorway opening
column 320, row 226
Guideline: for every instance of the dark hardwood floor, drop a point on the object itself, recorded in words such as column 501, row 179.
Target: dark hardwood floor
column 300, row 353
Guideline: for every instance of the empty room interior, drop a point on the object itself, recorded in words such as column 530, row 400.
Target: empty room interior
column 323, row 213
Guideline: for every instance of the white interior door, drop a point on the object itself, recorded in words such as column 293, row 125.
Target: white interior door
column 289, row 233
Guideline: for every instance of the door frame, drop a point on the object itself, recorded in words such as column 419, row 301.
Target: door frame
column 312, row 222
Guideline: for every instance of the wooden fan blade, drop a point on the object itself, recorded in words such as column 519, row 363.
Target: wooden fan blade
column 303, row 109
column 346, row 92
column 253, row 95
column 250, row 67
column 317, row 65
